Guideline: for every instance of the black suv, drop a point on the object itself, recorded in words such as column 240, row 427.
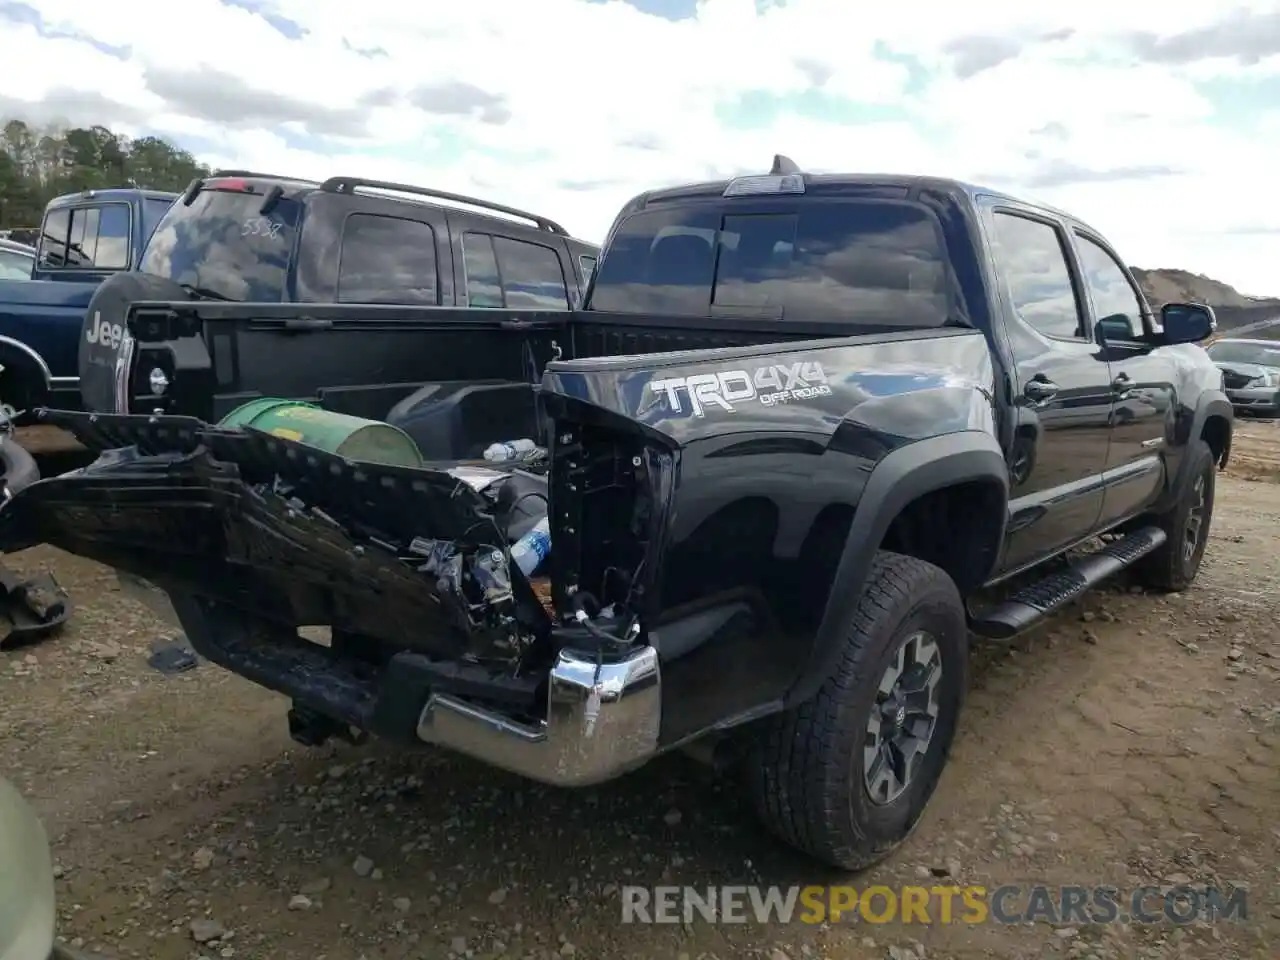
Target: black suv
column 253, row 237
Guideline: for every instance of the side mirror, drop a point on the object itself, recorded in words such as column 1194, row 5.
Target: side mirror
column 1187, row 322
column 1117, row 327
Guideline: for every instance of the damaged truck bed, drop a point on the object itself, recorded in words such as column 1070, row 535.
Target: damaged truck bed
column 796, row 428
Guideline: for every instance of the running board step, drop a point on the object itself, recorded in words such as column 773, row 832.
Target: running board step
column 1033, row 603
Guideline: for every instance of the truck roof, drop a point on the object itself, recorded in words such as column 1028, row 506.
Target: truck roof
column 110, row 193
column 835, row 183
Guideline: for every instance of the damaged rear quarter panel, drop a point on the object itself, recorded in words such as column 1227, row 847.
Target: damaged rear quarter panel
column 767, row 485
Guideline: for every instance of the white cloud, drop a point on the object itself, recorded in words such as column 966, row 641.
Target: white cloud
column 570, row 107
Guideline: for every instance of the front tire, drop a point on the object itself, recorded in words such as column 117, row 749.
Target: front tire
column 1174, row 565
column 846, row 776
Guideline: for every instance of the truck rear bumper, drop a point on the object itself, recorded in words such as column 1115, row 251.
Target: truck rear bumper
column 602, row 718
column 602, row 721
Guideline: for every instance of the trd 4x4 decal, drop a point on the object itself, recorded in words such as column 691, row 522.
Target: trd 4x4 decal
column 770, row 385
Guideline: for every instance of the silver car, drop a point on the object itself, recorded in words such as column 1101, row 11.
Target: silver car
column 16, row 260
column 1250, row 374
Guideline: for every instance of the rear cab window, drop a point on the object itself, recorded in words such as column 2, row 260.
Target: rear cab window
column 808, row 258
column 222, row 245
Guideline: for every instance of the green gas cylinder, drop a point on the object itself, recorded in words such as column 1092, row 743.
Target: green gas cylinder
column 354, row 438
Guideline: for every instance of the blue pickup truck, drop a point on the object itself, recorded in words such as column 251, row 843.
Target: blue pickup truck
column 85, row 238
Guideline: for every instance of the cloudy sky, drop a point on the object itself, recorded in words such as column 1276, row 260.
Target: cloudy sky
column 1157, row 122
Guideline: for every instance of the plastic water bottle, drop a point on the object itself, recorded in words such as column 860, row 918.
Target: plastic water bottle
column 510, row 450
column 531, row 549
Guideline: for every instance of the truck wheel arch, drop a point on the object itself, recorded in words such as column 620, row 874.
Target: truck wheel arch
column 962, row 464
column 22, row 365
column 1213, row 425
column 1211, row 422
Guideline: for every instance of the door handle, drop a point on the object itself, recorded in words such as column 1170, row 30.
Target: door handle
column 1121, row 385
column 1039, row 389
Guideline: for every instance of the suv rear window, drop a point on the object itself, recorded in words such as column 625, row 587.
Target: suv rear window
column 822, row 260
column 223, row 245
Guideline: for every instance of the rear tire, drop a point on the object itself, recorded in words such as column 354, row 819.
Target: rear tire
column 1174, row 565
column 817, row 773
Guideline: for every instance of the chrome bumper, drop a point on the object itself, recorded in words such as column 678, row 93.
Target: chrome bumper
column 602, row 721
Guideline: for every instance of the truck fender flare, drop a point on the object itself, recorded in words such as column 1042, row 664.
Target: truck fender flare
column 1213, row 403
column 1210, row 404
column 902, row 476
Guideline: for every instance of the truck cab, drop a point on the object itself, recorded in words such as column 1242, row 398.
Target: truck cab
column 84, row 239
column 88, row 236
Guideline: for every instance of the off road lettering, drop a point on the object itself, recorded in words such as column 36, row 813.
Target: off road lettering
column 770, row 385
column 104, row 332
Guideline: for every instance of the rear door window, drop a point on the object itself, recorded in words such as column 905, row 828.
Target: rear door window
column 387, row 260
column 879, row 261
column 484, row 283
column 532, row 277
column 1030, row 256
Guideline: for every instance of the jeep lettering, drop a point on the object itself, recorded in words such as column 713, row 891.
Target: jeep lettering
column 104, row 333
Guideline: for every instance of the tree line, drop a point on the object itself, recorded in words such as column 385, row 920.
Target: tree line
column 38, row 164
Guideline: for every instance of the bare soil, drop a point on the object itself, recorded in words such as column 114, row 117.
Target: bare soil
column 1134, row 740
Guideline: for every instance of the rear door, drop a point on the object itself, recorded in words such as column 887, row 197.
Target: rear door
column 1062, row 387
column 387, row 253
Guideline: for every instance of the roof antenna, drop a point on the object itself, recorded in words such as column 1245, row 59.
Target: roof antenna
column 783, row 166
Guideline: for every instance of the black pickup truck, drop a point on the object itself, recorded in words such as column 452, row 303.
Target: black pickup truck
column 801, row 422
column 301, row 246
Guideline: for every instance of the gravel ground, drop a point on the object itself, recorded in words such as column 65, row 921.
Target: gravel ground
column 1133, row 740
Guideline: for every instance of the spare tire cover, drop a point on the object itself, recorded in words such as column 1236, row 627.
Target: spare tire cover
column 104, row 334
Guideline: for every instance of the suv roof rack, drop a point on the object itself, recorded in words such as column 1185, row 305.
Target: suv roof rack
column 349, row 185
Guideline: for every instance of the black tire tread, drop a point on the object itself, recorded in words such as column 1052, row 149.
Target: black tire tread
column 797, row 779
